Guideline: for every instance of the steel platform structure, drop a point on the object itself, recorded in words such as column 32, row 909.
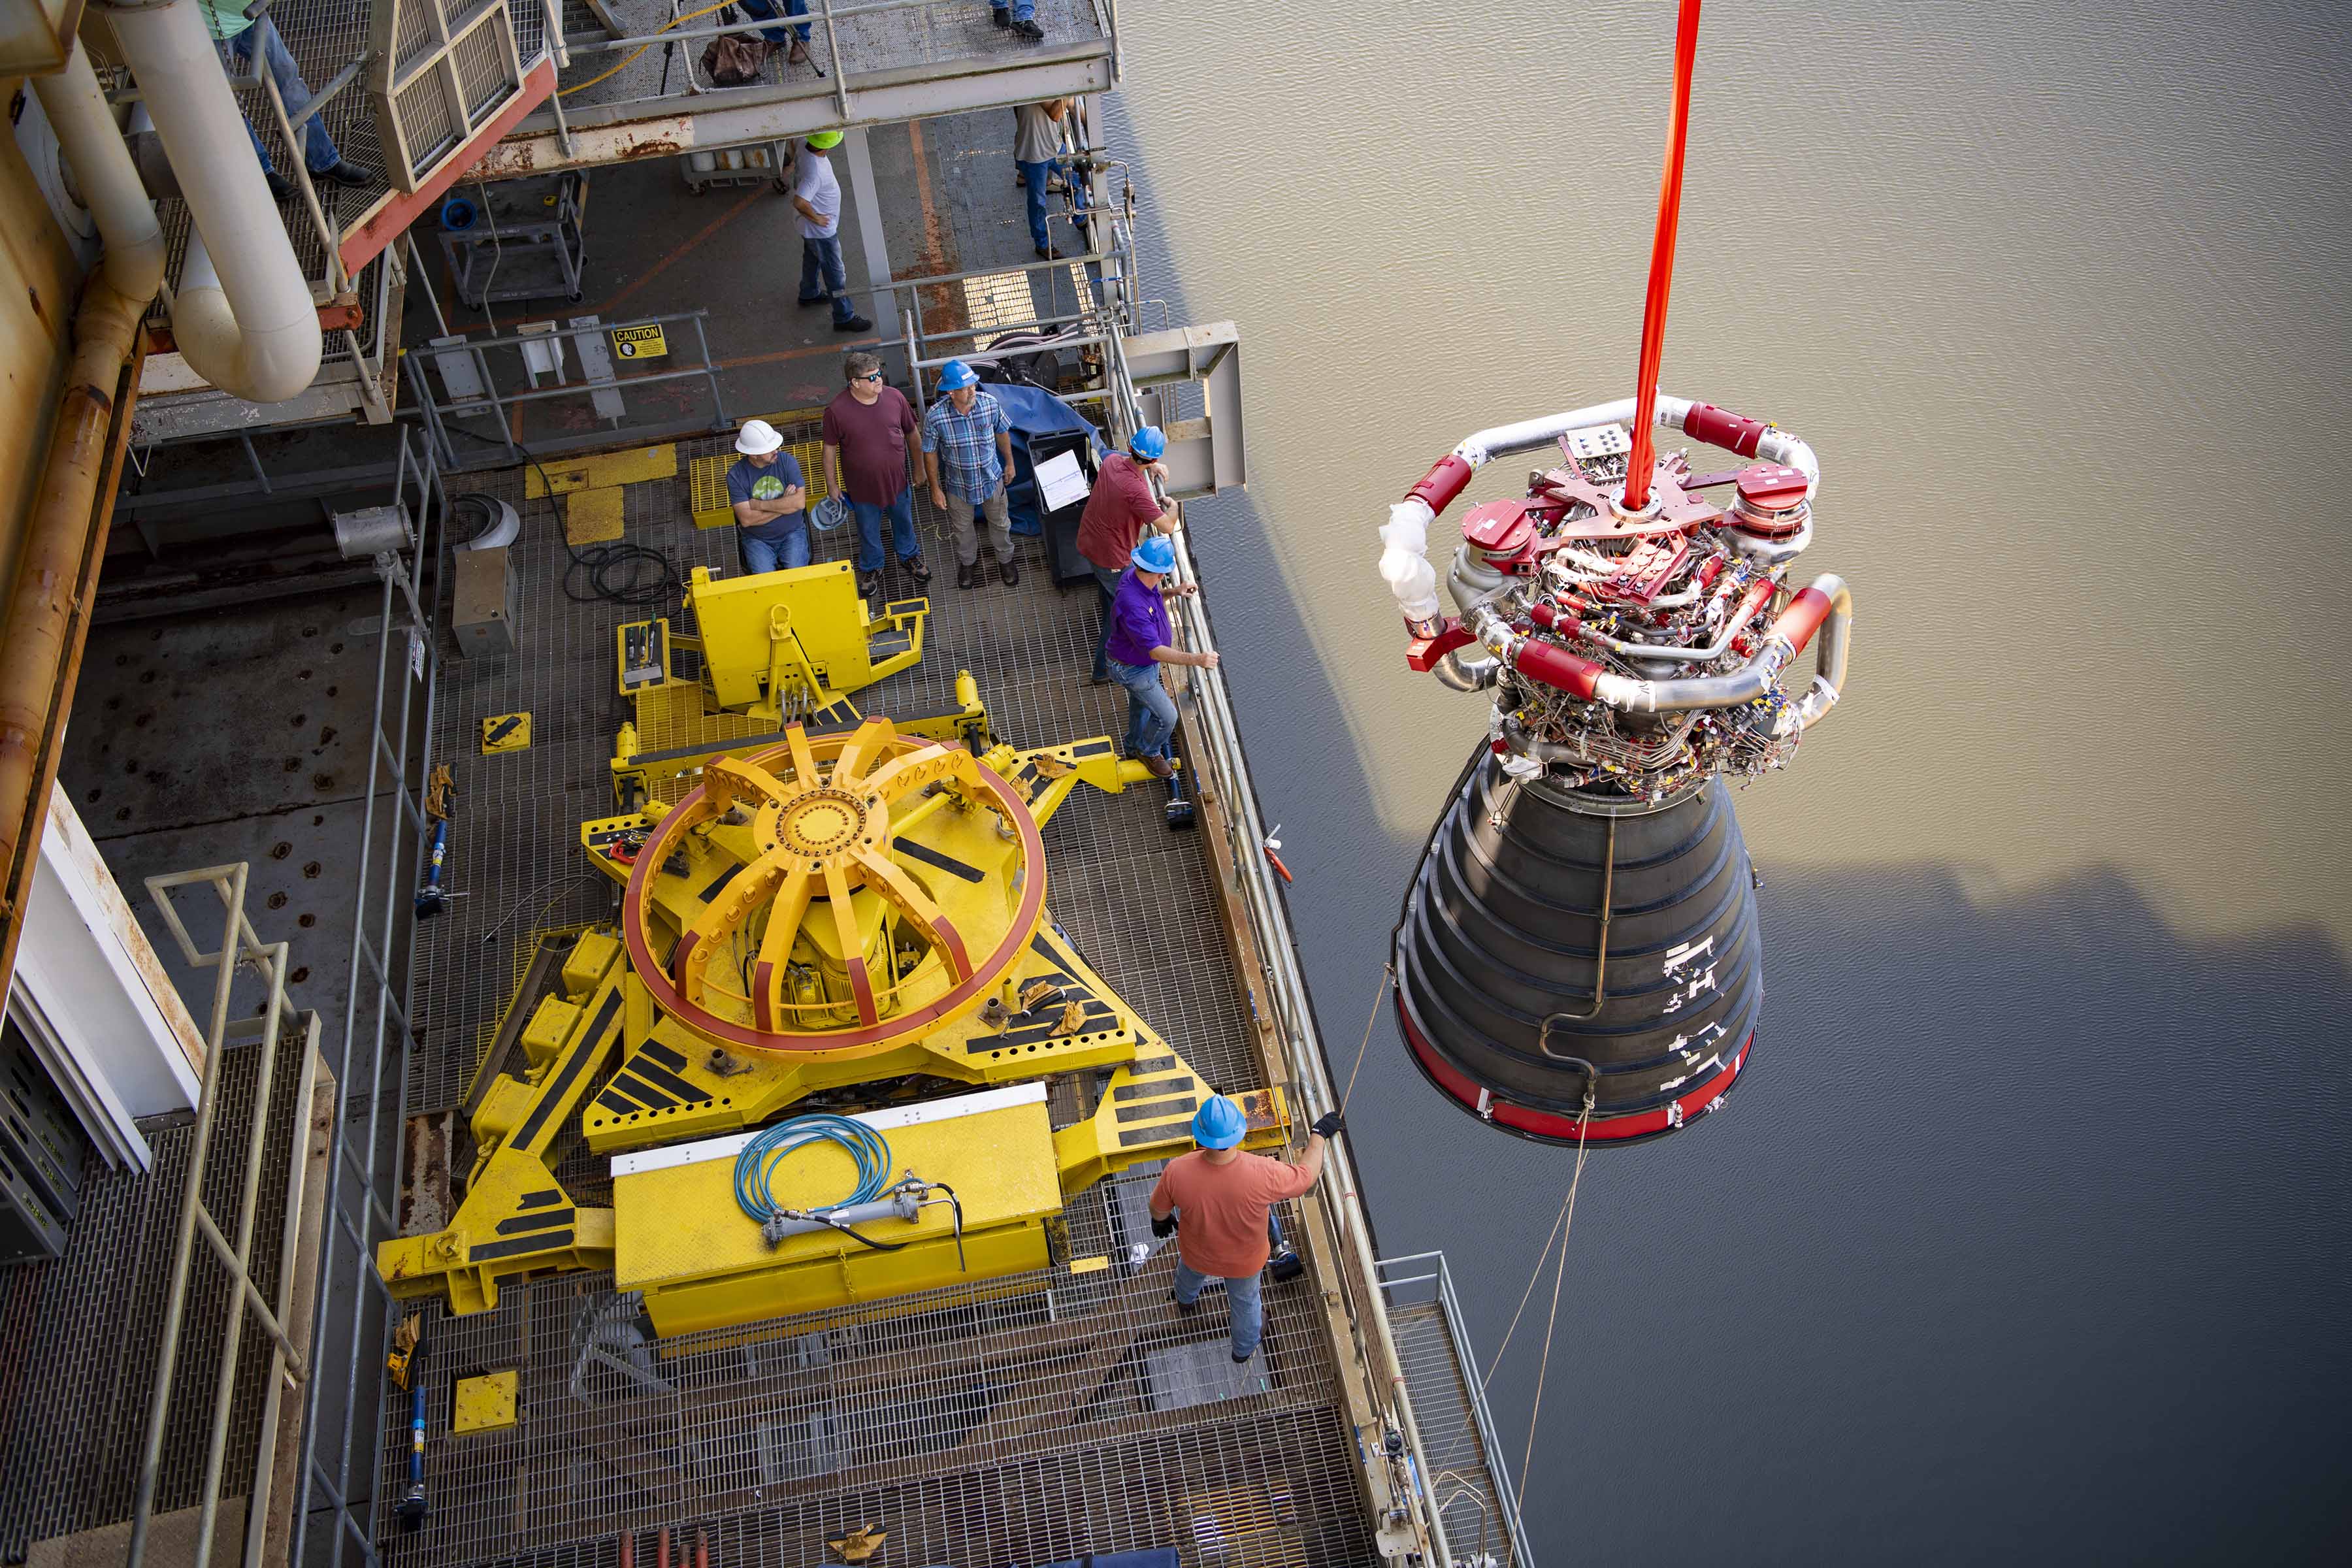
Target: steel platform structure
column 1074, row 1412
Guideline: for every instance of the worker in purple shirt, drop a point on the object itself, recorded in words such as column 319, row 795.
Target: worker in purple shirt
column 1119, row 508
column 1141, row 641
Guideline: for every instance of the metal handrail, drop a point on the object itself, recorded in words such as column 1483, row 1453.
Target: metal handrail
column 413, row 659
column 494, row 405
column 239, row 945
column 1449, row 1306
column 1216, row 752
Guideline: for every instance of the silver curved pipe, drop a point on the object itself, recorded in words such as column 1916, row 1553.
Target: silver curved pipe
column 1830, row 646
column 1476, row 673
column 1751, row 680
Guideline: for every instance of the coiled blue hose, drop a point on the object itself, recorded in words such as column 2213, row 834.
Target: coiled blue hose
column 755, row 1166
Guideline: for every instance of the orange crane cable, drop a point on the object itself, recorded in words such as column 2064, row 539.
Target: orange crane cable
column 1644, row 456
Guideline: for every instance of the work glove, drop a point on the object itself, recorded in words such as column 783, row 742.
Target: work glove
column 1164, row 1227
column 1328, row 1125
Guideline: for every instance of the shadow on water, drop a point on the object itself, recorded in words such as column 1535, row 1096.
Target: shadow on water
column 2025, row 1238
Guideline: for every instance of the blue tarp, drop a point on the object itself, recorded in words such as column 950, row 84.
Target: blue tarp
column 1157, row 1557
column 1035, row 412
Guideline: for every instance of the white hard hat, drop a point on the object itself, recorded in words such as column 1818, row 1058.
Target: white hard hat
column 758, row 438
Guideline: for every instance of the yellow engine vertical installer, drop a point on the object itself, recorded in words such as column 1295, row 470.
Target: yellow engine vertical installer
column 855, row 911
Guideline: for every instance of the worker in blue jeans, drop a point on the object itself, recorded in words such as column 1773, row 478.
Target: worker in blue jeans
column 792, row 40
column 1021, row 17
column 769, row 500
column 246, row 46
column 1036, row 153
column 1219, row 1202
column 816, row 197
column 1141, row 641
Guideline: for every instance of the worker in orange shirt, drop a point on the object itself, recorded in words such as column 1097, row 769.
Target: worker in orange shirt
column 1226, row 1200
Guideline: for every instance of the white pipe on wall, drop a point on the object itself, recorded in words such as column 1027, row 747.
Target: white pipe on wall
column 108, row 183
column 242, row 314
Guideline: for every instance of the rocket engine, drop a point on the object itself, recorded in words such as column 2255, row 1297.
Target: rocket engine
column 1578, row 959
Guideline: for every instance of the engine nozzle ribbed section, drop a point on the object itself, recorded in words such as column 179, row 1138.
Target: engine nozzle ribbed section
column 1526, row 896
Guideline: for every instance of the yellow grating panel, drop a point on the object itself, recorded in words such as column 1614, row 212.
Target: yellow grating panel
column 605, row 469
column 706, row 484
column 592, row 517
column 706, row 490
column 997, row 300
column 670, row 718
column 1246, row 1527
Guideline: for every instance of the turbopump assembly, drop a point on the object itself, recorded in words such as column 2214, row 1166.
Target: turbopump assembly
column 1578, row 959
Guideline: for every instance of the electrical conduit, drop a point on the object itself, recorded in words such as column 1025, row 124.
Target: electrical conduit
column 242, row 314
column 65, row 529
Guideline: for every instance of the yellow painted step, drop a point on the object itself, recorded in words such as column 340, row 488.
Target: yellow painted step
column 592, row 517
column 603, row 471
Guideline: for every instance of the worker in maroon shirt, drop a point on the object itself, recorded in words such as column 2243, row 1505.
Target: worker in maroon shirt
column 1226, row 1199
column 1119, row 510
column 864, row 440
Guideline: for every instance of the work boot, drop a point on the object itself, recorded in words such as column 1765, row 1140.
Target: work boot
column 968, row 575
column 1009, row 571
column 1160, row 767
column 797, row 55
column 281, row 189
column 869, row 584
column 346, row 173
column 1187, row 1307
column 1021, row 180
column 806, row 300
column 1001, row 17
column 1031, row 31
column 1285, row 1266
column 1047, row 253
column 855, row 324
column 917, row 569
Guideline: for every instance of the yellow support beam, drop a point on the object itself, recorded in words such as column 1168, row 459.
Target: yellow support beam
column 517, row 1219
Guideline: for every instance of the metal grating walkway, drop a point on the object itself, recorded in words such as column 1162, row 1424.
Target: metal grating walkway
column 1019, row 1422
column 82, row 1332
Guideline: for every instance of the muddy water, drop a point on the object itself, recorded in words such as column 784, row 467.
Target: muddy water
column 2027, row 1234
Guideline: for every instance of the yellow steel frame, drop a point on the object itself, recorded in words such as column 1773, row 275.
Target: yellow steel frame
column 599, row 1055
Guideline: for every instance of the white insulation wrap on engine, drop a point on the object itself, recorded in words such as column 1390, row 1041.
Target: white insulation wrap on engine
column 1404, row 560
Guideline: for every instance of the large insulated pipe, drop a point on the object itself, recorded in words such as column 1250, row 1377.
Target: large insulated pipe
column 242, row 314
column 65, row 533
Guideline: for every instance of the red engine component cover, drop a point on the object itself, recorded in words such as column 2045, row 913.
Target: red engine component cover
column 1499, row 528
column 1721, row 427
column 1423, row 653
column 1649, row 567
column 1769, row 494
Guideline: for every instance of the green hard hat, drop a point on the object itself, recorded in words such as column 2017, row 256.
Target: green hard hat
column 821, row 140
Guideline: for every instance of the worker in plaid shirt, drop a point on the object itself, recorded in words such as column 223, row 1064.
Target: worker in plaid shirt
column 968, row 449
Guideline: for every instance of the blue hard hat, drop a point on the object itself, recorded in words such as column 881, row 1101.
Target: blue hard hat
column 1156, row 553
column 1219, row 1124
column 956, row 374
column 1149, row 442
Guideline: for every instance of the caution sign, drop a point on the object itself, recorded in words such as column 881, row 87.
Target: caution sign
column 639, row 343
